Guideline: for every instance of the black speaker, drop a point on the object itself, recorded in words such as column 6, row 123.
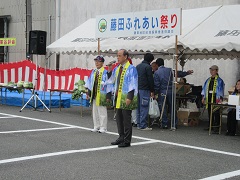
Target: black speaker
column 37, row 42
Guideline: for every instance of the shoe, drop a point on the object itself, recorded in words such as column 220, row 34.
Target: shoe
column 117, row 142
column 174, row 127
column 95, row 130
column 102, row 131
column 146, row 129
column 227, row 134
column 134, row 125
column 123, row 145
column 114, row 117
column 230, row 134
column 165, row 127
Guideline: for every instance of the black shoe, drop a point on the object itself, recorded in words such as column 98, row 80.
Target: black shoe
column 117, row 142
column 123, row 145
column 230, row 134
column 227, row 134
column 134, row 125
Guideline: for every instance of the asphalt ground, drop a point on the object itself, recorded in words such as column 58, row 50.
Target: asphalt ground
column 59, row 145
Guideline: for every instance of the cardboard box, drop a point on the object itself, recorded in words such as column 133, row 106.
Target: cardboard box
column 182, row 89
column 194, row 118
column 187, row 118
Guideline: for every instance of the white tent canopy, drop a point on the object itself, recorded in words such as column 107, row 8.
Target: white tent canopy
column 199, row 29
column 220, row 31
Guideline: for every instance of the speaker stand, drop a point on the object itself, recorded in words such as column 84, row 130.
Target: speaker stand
column 35, row 96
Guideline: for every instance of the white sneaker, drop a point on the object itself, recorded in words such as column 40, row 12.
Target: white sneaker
column 102, row 131
column 95, row 130
column 146, row 129
column 114, row 117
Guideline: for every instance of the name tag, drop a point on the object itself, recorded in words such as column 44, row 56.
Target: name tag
column 210, row 92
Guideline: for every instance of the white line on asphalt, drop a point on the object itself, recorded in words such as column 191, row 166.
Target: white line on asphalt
column 69, row 125
column 4, row 161
column 40, row 120
column 198, row 148
column 137, row 137
column 6, row 117
column 33, row 130
column 216, row 177
column 223, row 176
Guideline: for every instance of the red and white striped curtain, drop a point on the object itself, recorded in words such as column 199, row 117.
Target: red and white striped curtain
column 26, row 71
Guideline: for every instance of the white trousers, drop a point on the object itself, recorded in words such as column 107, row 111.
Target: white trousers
column 99, row 116
column 134, row 116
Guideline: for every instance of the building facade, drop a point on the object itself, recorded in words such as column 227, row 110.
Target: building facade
column 13, row 24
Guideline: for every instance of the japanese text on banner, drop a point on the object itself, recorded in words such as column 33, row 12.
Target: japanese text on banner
column 7, row 41
column 165, row 22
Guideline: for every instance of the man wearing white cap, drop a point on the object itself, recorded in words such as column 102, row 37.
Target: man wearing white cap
column 110, row 68
column 213, row 92
column 97, row 92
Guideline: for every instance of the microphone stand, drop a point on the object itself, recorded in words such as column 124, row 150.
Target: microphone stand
column 35, row 96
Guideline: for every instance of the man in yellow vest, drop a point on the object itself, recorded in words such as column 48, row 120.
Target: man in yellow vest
column 97, row 92
column 125, row 87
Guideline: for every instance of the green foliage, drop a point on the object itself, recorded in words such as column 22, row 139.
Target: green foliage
column 76, row 94
column 80, row 83
column 103, row 101
column 12, row 88
column 131, row 106
column 79, row 90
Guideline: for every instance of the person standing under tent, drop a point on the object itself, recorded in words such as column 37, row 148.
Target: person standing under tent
column 98, row 94
column 145, row 91
column 231, row 116
column 163, row 78
column 213, row 92
column 109, row 74
column 125, row 82
column 154, row 66
column 110, row 68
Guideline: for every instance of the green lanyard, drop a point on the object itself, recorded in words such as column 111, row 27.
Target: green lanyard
column 214, row 89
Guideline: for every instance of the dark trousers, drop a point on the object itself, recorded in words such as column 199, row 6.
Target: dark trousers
column 124, row 124
column 231, row 122
column 215, row 117
column 168, row 106
column 216, row 114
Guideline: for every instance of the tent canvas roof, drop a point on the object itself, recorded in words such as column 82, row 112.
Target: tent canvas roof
column 199, row 29
column 220, row 31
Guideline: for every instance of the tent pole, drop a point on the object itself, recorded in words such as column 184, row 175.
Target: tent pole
column 98, row 46
column 173, row 113
column 176, row 57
